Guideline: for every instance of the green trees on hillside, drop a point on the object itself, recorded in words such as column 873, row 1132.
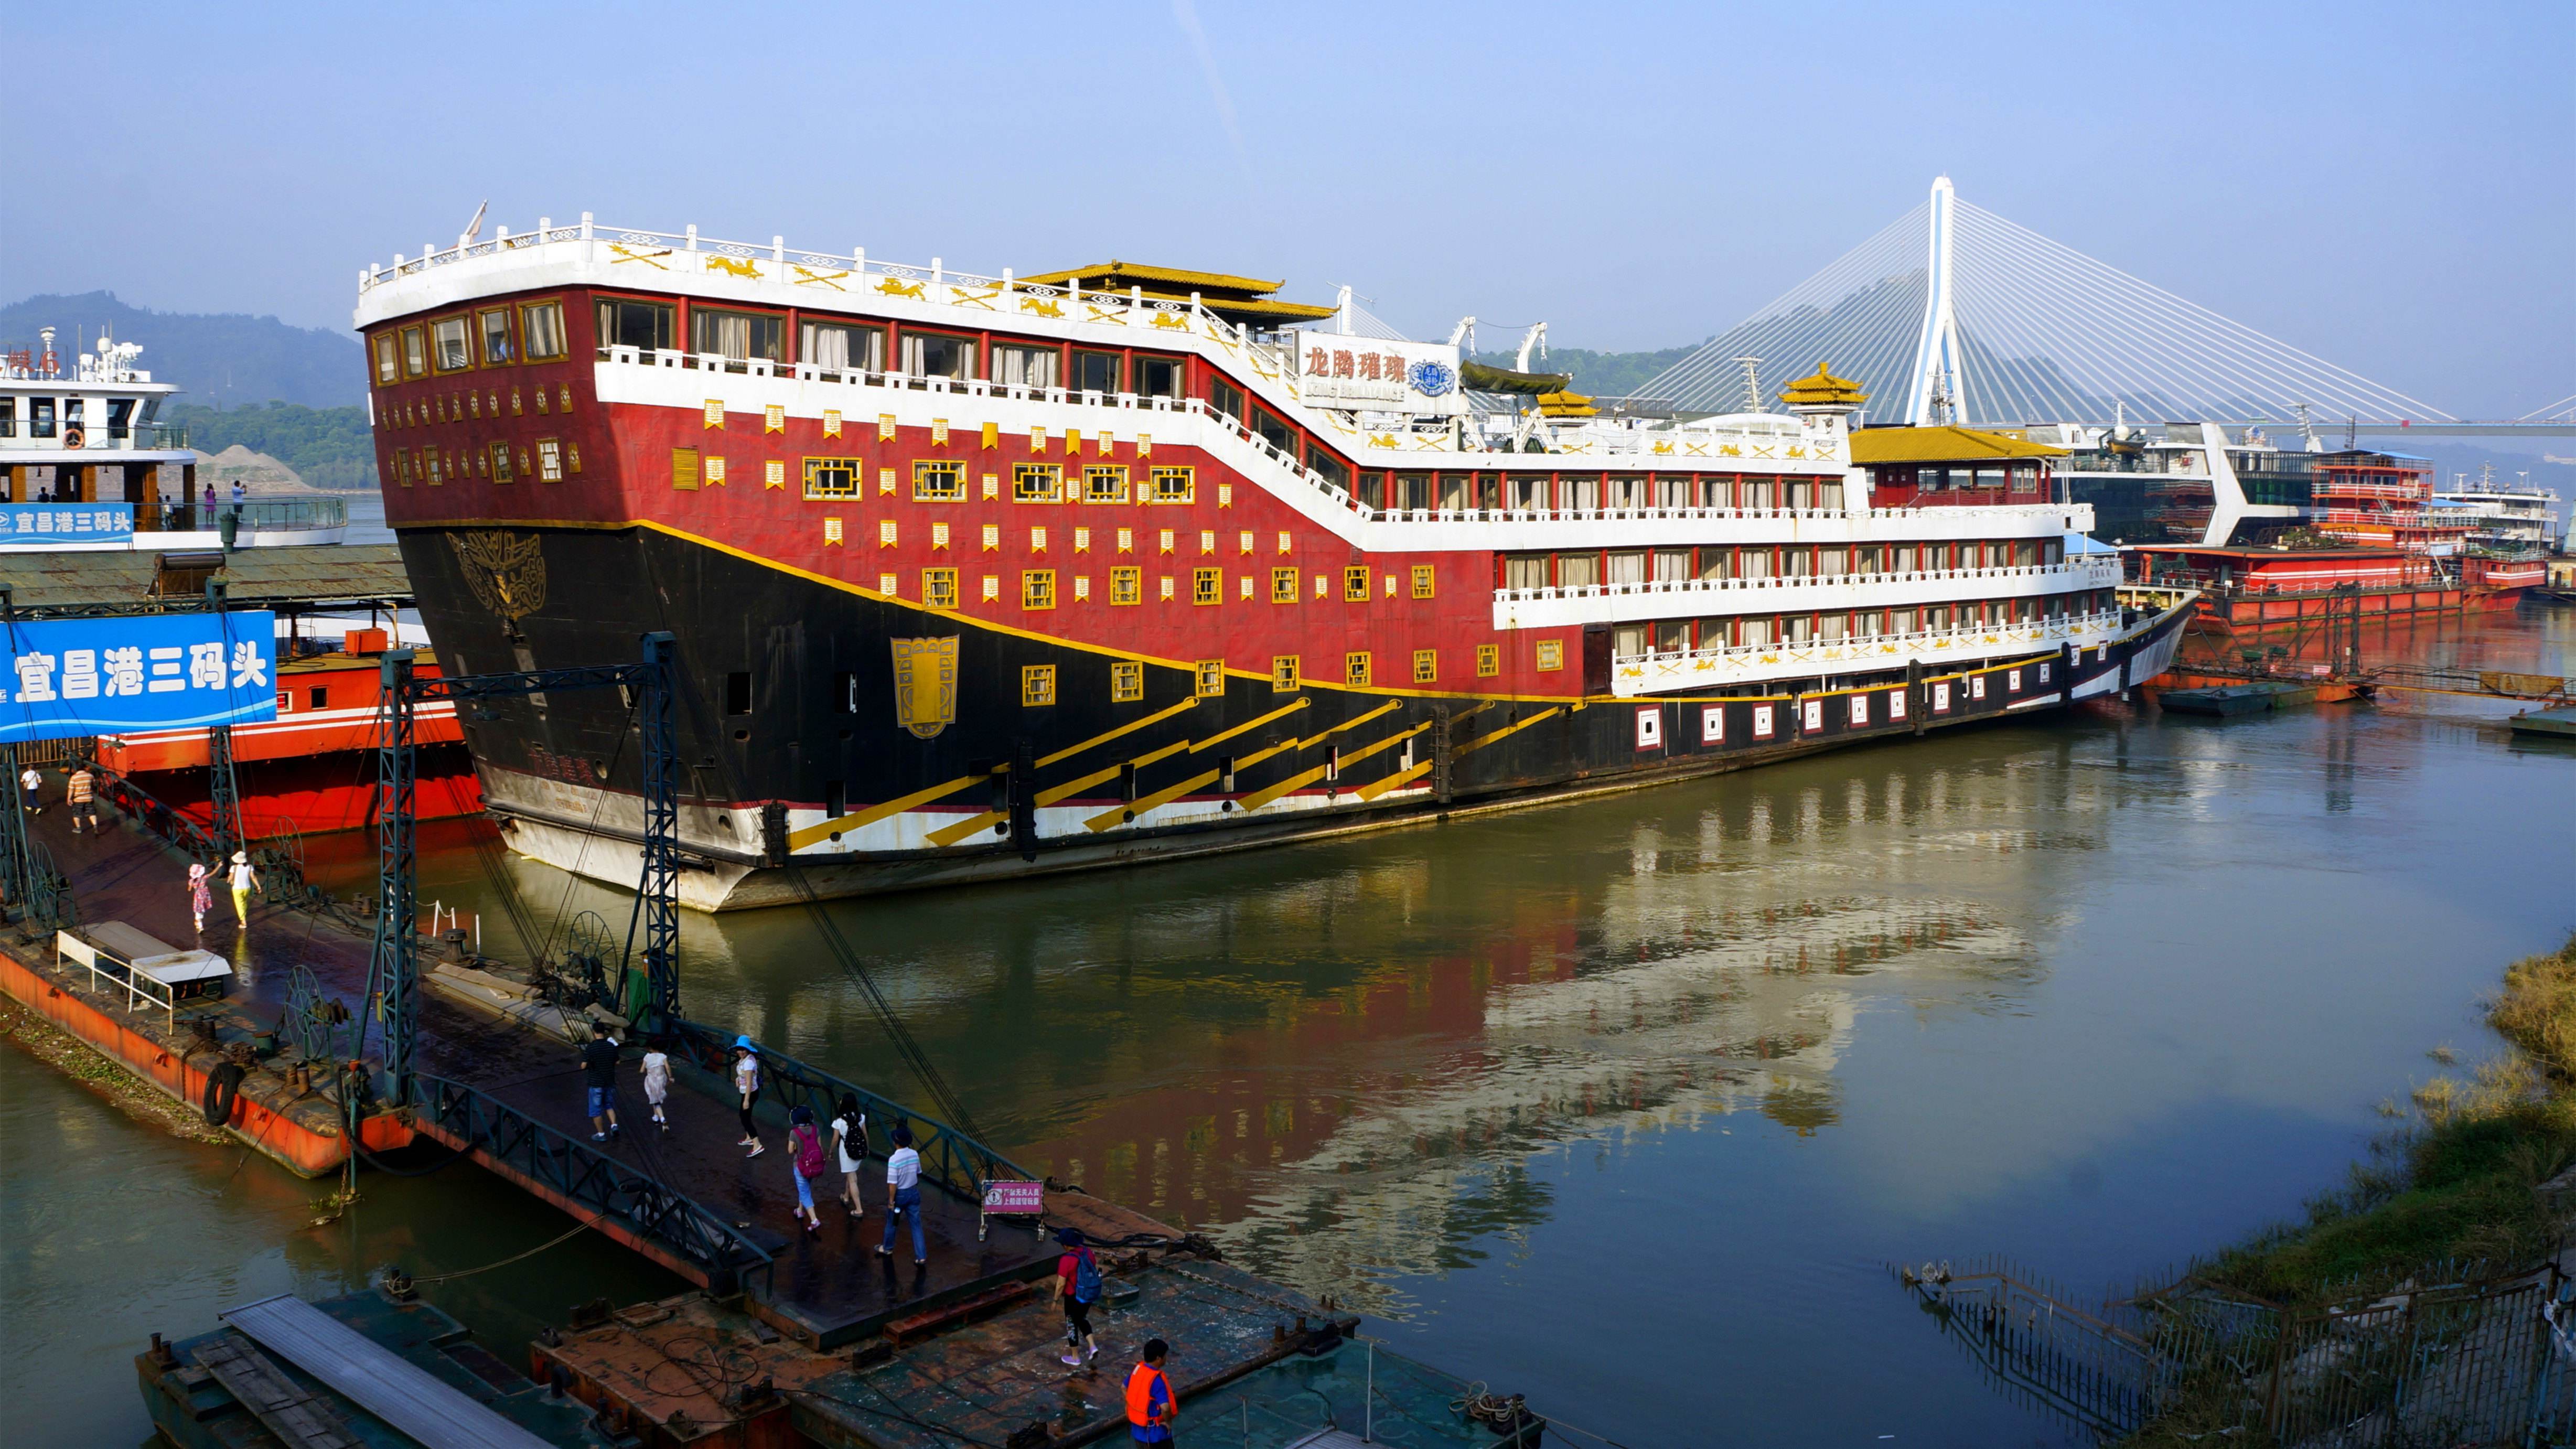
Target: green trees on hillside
column 331, row 447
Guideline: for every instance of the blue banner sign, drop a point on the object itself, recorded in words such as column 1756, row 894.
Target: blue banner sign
column 67, row 678
column 55, row 524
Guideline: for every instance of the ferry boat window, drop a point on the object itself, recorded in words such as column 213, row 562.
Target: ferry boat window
column 1798, row 563
column 388, row 363
column 642, row 325
column 1672, row 636
column 932, row 354
column 1578, row 570
column 1157, row 376
column 1627, row 490
column 499, row 347
column 1711, row 633
column 1755, row 631
column 736, row 336
column 1713, row 562
column 40, row 417
column 1672, row 565
column 1355, row 667
column 1335, row 474
column 1757, row 493
column 541, row 331
column 1095, row 372
column 840, row 348
column 120, row 417
column 1372, row 490
column 1225, row 397
column 1829, row 496
column 1800, row 494
column 449, row 345
column 1833, row 562
column 1037, row 483
column 1990, row 477
column 1355, row 584
column 1016, row 366
column 1413, row 490
column 833, row 477
column 1274, row 432
column 1580, row 491
column 1529, row 490
column 938, row 482
column 415, row 355
column 8, row 417
column 1753, row 563
column 1525, row 571
column 1627, row 568
column 1832, row 626
column 549, row 460
column 1628, row 639
column 1104, row 483
column 1796, row 628
column 939, row 588
column 1486, row 489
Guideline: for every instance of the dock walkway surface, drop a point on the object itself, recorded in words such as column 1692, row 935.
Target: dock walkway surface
column 824, row 1287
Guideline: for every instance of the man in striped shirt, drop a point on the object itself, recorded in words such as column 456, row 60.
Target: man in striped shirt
column 84, row 799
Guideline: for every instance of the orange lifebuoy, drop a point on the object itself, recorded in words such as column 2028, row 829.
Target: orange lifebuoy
column 72, row 436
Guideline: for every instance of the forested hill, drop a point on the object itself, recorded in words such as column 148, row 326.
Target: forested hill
column 222, row 359
column 329, row 447
column 1598, row 374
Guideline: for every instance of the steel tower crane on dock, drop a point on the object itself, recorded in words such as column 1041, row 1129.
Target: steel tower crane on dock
column 651, row 683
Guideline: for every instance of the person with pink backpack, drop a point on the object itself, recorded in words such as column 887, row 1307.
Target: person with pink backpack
column 805, row 1152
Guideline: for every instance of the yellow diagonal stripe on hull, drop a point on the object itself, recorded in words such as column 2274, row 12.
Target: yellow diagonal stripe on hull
column 948, row 835
column 1053, row 793
column 1364, row 751
column 1108, row 819
column 1250, row 724
column 1376, row 788
column 1354, row 722
column 1268, row 793
column 1483, row 740
column 1069, row 751
column 799, row 839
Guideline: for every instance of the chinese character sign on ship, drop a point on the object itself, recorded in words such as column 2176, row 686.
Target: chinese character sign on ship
column 67, row 678
column 1377, row 374
column 66, row 524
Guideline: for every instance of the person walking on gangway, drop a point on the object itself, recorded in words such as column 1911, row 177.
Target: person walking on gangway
column 32, row 781
column 657, row 1083
column 746, row 1085
column 201, row 897
column 1150, row 1404
column 850, row 1144
column 599, row 1080
column 1077, row 1286
column 245, row 880
column 903, row 1196
column 805, row 1155
column 83, row 798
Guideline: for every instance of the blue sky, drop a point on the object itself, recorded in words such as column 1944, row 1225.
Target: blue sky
column 2392, row 187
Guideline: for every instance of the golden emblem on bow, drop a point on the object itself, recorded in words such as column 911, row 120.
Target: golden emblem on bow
column 506, row 571
column 925, row 684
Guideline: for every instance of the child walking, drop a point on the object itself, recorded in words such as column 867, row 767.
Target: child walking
column 201, row 896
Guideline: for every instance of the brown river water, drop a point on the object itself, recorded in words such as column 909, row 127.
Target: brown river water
column 1625, row 1104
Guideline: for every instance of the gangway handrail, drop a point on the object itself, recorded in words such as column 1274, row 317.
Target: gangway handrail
column 593, row 1179
column 958, row 1164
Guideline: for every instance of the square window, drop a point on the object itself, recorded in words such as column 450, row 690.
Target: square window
column 1422, row 581
column 1037, row 684
column 1126, row 681
column 939, row 588
column 450, row 345
column 1283, row 672
column 1355, row 667
column 1489, row 660
column 1283, row 586
column 1426, row 665
column 1355, row 582
column 1037, row 589
column 1104, row 483
column 549, row 460
column 1209, row 681
column 541, row 331
column 1126, row 585
column 1037, row 483
column 833, row 477
column 938, row 482
column 1175, row 485
column 1207, row 586
column 1551, row 654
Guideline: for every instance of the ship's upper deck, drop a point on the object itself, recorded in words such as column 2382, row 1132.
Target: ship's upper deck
column 97, row 407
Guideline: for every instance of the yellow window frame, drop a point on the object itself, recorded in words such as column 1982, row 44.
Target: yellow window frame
column 1489, row 660
column 1104, row 483
column 1037, row 685
column 1126, row 681
column 939, row 588
column 1426, row 665
column 1207, row 586
column 835, row 477
column 1355, row 667
column 1551, row 654
column 1422, row 581
column 1126, row 585
column 1283, row 673
column 927, row 484
column 1283, row 586
column 1208, row 679
column 1037, row 588
column 1175, row 484
column 1355, row 584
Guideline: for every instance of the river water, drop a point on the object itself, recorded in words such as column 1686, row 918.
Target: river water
column 1624, row 1104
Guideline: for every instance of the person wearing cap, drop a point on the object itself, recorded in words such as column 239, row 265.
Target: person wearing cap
column 1077, row 1286
column 746, row 1084
column 244, row 880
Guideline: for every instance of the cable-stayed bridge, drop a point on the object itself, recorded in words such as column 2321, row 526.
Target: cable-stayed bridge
column 1954, row 314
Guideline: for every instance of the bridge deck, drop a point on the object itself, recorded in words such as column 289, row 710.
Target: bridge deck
column 826, row 1288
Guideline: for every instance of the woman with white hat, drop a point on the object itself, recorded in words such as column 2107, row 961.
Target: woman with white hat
column 244, row 880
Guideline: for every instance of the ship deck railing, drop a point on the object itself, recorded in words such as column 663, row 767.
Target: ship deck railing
column 1853, row 651
column 2105, row 572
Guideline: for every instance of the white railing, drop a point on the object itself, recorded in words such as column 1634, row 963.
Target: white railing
column 139, row 989
column 2101, row 572
column 1656, row 672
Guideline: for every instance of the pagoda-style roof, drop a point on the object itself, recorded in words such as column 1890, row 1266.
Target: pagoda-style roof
column 1823, row 390
column 1235, row 298
column 1944, row 443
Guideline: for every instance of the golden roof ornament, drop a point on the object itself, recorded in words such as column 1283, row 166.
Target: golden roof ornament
column 1822, row 393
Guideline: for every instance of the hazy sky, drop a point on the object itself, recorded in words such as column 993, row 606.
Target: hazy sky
column 2390, row 186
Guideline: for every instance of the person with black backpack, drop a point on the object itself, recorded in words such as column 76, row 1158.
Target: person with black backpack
column 1077, row 1283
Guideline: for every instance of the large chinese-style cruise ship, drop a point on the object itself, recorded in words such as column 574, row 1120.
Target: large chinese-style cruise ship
column 977, row 576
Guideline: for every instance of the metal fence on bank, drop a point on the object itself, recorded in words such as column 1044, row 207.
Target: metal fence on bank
column 2459, row 1354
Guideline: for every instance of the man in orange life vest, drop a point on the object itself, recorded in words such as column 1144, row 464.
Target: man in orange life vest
column 1149, row 1397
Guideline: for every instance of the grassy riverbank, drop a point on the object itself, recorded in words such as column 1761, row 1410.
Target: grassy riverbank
column 2458, row 1184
